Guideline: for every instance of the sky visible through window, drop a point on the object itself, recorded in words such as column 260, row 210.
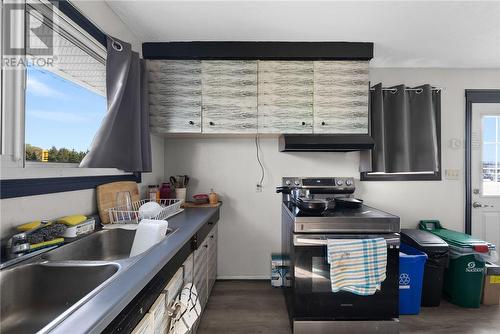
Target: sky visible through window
column 491, row 124
column 491, row 155
column 60, row 113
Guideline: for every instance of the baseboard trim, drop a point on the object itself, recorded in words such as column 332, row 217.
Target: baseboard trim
column 227, row 278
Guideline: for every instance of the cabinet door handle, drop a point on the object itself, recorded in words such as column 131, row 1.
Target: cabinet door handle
column 191, row 123
column 211, row 123
column 206, row 246
column 303, row 123
column 212, row 236
column 323, row 123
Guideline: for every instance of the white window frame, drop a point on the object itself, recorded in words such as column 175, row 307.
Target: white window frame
column 12, row 155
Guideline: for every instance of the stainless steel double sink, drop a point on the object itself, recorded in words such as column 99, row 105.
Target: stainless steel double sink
column 41, row 292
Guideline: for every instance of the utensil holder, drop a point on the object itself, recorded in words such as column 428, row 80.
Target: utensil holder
column 180, row 194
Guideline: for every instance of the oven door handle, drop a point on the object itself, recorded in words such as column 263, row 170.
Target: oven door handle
column 323, row 240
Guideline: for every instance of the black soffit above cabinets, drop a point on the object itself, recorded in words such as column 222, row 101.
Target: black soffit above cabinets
column 325, row 143
column 258, row 50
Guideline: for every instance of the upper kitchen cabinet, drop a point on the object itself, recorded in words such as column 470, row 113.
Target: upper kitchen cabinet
column 175, row 96
column 229, row 90
column 285, row 92
column 341, row 96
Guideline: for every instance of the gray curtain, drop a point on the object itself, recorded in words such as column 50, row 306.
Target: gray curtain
column 123, row 140
column 404, row 127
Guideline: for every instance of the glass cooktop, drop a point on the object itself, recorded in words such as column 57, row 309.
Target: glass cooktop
column 340, row 212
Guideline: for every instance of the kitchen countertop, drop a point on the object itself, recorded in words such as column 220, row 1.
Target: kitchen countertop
column 99, row 311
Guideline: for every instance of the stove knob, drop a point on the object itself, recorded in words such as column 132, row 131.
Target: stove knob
column 288, row 182
column 340, row 182
column 348, row 183
column 296, row 182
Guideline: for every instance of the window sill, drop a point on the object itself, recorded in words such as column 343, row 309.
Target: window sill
column 436, row 176
column 11, row 188
column 39, row 178
column 37, row 164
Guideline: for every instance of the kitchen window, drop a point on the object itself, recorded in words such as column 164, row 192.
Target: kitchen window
column 65, row 99
column 53, row 98
column 61, row 117
column 406, row 162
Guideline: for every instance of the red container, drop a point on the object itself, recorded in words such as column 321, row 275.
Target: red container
column 166, row 190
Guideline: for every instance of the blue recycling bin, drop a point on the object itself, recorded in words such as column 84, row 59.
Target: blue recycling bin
column 411, row 274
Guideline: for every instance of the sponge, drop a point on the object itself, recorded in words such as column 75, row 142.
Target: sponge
column 43, row 244
column 72, row 220
column 46, row 233
column 67, row 220
column 29, row 226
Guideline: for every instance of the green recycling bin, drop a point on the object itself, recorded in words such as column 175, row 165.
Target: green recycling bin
column 463, row 279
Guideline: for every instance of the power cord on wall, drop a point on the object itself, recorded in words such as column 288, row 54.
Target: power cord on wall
column 259, row 185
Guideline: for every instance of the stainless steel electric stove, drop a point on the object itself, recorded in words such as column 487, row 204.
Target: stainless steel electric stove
column 312, row 306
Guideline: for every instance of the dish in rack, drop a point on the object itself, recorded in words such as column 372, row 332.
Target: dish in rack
column 143, row 209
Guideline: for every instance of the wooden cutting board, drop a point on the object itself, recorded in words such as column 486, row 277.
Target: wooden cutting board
column 106, row 196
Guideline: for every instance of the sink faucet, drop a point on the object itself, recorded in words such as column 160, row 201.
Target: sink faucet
column 18, row 244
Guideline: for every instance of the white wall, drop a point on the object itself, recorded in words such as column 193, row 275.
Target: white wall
column 16, row 211
column 99, row 13
column 250, row 222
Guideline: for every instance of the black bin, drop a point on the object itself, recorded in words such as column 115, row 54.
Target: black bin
column 437, row 252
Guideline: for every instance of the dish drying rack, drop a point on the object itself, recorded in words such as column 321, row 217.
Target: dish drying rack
column 130, row 214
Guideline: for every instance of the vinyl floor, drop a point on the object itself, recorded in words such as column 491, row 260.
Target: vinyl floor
column 251, row 307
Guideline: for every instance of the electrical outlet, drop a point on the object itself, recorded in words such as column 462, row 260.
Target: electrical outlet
column 452, row 174
column 258, row 188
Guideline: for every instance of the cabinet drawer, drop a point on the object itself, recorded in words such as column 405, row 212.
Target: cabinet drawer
column 341, row 91
column 229, row 90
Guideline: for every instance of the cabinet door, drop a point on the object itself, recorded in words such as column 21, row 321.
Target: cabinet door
column 188, row 269
column 172, row 290
column 229, row 90
column 341, row 96
column 212, row 258
column 174, row 286
column 175, row 96
column 145, row 326
column 200, row 272
column 285, row 96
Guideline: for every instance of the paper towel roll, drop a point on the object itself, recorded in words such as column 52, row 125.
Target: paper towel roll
column 149, row 233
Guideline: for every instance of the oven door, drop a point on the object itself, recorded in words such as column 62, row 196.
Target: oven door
column 312, row 295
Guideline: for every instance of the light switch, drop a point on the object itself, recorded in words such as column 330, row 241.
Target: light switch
column 452, row 174
column 455, row 143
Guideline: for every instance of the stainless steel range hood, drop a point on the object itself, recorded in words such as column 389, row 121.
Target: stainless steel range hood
column 325, row 142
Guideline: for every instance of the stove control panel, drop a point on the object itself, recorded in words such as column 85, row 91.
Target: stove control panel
column 333, row 185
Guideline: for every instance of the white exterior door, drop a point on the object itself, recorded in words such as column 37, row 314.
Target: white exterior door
column 485, row 222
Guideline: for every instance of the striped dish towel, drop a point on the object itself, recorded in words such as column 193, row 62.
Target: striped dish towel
column 357, row 265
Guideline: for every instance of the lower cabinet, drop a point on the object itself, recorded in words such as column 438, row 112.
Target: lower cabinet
column 201, row 271
column 199, row 268
column 205, row 266
column 156, row 320
column 212, row 258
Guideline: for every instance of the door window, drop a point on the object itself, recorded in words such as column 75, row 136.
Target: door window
column 490, row 155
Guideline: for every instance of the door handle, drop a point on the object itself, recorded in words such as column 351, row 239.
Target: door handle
column 476, row 205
